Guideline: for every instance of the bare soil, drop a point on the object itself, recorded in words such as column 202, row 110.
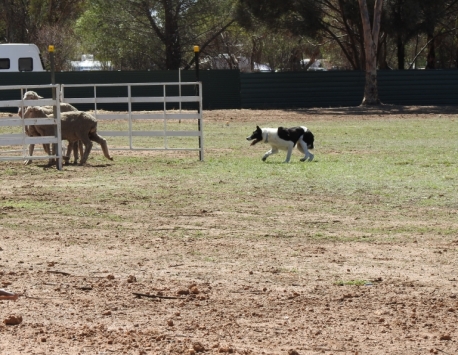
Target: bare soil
column 238, row 289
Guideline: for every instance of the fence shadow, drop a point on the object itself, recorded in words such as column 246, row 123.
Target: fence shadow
column 383, row 109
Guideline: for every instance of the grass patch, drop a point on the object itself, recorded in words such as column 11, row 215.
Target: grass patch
column 364, row 172
column 351, row 283
column 26, row 205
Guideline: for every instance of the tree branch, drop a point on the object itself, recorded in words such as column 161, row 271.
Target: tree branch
column 145, row 9
column 426, row 45
column 210, row 40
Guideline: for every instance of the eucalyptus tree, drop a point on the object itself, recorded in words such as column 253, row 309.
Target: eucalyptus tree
column 20, row 19
column 153, row 34
column 435, row 25
column 15, row 24
column 346, row 22
column 402, row 21
column 371, row 40
column 326, row 21
column 424, row 21
column 43, row 22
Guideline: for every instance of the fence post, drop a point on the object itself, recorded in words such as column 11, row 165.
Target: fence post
column 196, row 59
column 54, row 96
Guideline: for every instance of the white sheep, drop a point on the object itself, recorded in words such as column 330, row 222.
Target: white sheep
column 31, row 132
column 75, row 126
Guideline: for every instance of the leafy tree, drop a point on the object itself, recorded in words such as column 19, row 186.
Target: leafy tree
column 242, row 49
column 402, row 22
column 42, row 22
column 327, row 21
column 21, row 19
column 16, row 25
column 54, row 12
column 107, row 32
column 347, row 22
column 433, row 13
column 408, row 21
column 153, row 34
column 59, row 37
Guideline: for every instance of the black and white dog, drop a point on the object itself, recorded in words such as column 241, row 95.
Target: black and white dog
column 282, row 138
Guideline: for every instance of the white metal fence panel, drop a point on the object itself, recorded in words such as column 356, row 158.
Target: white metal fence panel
column 165, row 123
column 14, row 141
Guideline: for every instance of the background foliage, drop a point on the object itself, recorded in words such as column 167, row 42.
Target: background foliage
column 160, row 34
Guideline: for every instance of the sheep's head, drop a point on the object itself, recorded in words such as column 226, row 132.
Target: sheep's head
column 34, row 112
column 32, row 95
column 29, row 95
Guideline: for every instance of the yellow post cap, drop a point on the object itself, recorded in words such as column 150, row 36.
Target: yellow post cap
column 50, row 48
column 196, row 49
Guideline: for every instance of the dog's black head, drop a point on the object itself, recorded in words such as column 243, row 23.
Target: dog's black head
column 308, row 138
column 256, row 136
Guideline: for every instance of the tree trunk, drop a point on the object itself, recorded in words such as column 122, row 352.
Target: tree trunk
column 172, row 39
column 382, row 53
column 401, row 53
column 371, row 89
column 370, row 48
column 431, row 57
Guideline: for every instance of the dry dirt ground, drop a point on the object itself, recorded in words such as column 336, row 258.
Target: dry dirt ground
column 97, row 290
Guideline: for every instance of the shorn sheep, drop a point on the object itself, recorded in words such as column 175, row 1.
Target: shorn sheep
column 32, row 95
column 31, row 131
column 75, row 126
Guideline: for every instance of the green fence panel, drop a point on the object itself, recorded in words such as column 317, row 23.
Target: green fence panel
column 230, row 89
column 301, row 89
column 346, row 88
column 418, row 87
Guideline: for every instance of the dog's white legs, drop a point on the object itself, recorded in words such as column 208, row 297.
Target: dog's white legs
column 269, row 153
column 310, row 157
column 303, row 148
column 288, row 155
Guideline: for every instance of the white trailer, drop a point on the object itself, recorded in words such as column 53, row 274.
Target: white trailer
column 20, row 57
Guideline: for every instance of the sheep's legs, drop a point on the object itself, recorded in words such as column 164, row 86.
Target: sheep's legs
column 69, row 152
column 77, row 147
column 32, row 131
column 88, row 146
column 81, row 150
column 74, row 147
column 103, row 143
column 31, row 148
column 47, row 148
column 86, row 141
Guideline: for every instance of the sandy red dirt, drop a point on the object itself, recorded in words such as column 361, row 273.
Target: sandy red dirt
column 100, row 289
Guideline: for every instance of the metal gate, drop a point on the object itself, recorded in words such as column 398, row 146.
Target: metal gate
column 175, row 111
column 13, row 140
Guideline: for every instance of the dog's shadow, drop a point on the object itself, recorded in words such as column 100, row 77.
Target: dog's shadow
column 291, row 162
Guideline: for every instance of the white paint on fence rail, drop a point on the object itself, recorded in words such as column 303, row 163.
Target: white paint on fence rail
column 21, row 139
column 130, row 116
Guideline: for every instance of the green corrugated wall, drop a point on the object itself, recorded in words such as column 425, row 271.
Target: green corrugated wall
column 301, row 89
column 230, row 89
column 419, row 87
column 346, row 88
